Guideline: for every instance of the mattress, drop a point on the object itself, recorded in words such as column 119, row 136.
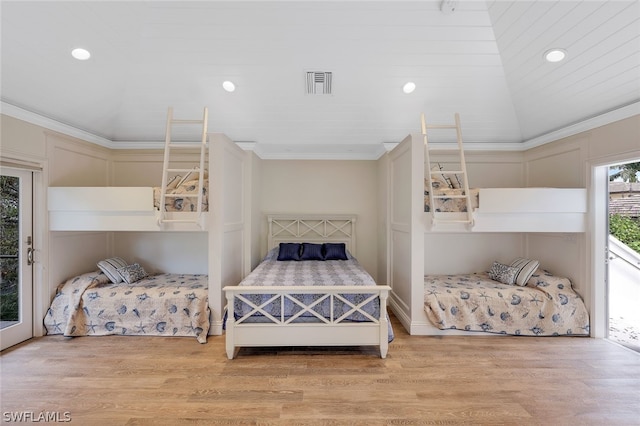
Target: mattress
column 271, row 272
column 159, row 305
column 546, row 306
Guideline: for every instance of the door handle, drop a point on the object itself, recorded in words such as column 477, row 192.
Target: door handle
column 30, row 251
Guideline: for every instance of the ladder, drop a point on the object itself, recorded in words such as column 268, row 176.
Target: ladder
column 438, row 217
column 167, row 169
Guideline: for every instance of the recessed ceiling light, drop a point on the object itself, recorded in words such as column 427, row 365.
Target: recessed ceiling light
column 80, row 54
column 555, row 55
column 228, row 86
column 409, row 87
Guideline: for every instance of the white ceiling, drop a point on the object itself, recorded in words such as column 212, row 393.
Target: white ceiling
column 484, row 61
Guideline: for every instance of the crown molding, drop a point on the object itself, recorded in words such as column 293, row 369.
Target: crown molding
column 584, row 126
column 51, row 124
column 263, row 152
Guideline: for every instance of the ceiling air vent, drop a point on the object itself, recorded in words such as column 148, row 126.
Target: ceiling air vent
column 318, row 83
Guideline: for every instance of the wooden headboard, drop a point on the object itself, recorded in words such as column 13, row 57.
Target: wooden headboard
column 289, row 228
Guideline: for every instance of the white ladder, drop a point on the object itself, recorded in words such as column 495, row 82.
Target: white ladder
column 167, row 170
column 439, row 218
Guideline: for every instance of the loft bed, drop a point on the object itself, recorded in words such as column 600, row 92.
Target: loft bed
column 129, row 208
column 224, row 221
column 509, row 210
column 314, row 301
column 412, row 224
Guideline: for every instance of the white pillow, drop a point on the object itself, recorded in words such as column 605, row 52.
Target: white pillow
column 110, row 268
column 526, row 268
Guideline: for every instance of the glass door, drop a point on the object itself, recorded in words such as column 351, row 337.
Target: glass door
column 16, row 256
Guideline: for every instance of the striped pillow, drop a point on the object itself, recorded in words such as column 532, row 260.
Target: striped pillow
column 110, row 268
column 526, row 268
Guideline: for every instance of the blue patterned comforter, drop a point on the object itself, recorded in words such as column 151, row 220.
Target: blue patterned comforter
column 272, row 272
column 159, row 305
column 546, row 306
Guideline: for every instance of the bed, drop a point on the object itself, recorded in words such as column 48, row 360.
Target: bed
column 324, row 297
column 544, row 305
column 91, row 304
column 112, row 208
column 507, row 209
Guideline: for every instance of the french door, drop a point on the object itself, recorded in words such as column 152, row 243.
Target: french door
column 16, row 256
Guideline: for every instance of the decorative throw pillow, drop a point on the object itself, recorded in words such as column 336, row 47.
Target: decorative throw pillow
column 526, row 268
column 311, row 251
column 132, row 273
column 289, row 251
column 503, row 273
column 335, row 251
column 110, row 268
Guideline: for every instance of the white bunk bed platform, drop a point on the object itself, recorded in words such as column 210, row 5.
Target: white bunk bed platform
column 518, row 210
column 114, row 209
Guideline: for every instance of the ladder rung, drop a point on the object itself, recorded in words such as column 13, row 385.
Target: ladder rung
column 458, row 172
column 187, row 121
column 181, row 195
column 183, row 170
column 442, row 126
column 451, row 221
column 178, row 221
column 449, row 196
column 186, row 145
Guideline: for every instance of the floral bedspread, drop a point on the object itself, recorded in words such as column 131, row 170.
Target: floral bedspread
column 158, row 305
column 546, row 306
column 450, row 204
column 183, row 204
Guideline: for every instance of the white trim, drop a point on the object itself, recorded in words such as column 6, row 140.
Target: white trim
column 51, row 124
column 583, row 126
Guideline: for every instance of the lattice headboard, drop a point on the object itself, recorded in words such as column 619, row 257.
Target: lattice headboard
column 312, row 229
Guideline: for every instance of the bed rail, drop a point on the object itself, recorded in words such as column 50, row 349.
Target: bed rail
column 278, row 329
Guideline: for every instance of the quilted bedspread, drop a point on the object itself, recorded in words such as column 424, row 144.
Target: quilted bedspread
column 183, row 204
column 546, row 306
column 272, row 272
column 450, row 204
column 158, row 305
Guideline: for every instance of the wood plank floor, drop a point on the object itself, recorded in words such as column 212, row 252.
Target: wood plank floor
column 119, row 380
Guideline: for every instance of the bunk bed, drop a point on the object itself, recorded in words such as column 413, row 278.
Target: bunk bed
column 132, row 209
column 101, row 303
column 415, row 226
column 300, row 295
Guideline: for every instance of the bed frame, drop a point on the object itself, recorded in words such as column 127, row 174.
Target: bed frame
column 281, row 331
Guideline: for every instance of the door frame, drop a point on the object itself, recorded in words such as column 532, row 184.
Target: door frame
column 42, row 293
column 23, row 329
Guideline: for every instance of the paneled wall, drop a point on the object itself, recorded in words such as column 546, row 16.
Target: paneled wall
column 322, row 187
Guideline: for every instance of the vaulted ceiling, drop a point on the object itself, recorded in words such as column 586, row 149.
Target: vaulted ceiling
column 483, row 60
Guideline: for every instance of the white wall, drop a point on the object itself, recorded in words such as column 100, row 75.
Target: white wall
column 576, row 161
column 325, row 187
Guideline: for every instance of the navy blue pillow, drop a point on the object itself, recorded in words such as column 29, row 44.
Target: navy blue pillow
column 311, row 251
column 289, row 251
column 335, row 251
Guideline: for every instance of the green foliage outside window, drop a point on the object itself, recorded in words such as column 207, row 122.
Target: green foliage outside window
column 9, row 240
column 626, row 230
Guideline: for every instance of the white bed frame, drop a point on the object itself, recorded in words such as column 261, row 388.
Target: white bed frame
column 280, row 331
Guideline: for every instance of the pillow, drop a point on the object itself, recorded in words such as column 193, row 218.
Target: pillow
column 311, row 251
column 503, row 273
column 110, row 267
column 132, row 273
column 289, row 251
column 173, row 182
column 526, row 268
column 335, row 251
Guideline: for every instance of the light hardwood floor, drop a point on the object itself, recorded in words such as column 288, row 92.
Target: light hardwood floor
column 119, row 380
